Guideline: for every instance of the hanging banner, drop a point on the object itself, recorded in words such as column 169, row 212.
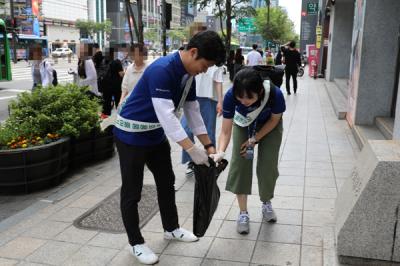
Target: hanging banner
column 313, row 59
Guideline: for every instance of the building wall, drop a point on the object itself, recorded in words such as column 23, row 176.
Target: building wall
column 62, row 33
column 375, row 82
column 176, row 13
column 59, row 21
column 69, row 10
column 339, row 47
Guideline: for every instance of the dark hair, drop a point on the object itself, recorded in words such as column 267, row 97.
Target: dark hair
column 209, row 46
column 238, row 55
column 98, row 58
column 181, row 48
column 248, row 81
column 255, row 46
column 81, row 68
column 292, row 44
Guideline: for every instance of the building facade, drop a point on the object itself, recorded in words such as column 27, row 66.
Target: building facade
column 262, row 3
column 60, row 26
column 309, row 21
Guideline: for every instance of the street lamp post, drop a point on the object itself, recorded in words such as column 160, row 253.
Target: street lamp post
column 13, row 31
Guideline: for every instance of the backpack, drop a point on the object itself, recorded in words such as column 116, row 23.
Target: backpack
column 274, row 74
column 103, row 75
column 55, row 80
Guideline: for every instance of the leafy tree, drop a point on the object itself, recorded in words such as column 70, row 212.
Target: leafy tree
column 226, row 10
column 151, row 35
column 180, row 34
column 280, row 29
column 89, row 27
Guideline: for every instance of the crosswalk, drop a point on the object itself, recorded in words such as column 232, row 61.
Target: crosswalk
column 22, row 70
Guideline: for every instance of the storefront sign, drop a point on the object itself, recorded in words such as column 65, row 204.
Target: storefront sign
column 313, row 59
column 312, row 8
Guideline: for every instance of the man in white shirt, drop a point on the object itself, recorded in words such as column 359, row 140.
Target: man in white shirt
column 254, row 57
column 209, row 96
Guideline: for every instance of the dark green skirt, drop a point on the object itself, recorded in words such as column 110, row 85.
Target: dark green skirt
column 241, row 169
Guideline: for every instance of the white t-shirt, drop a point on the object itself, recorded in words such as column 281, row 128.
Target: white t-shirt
column 205, row 85
column 131, row 77
column 254, row 58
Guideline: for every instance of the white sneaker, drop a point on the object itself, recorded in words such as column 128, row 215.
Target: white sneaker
column 181, row 235
column 243, row 224
column 268, row 213
column 189, row 170
column 144, row 254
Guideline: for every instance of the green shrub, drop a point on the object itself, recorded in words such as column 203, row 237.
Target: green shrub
column 65, row 110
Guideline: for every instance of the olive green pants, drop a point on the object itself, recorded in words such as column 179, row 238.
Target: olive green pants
column 241, row 169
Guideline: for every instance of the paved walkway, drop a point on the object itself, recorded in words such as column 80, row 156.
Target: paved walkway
column 317, row 155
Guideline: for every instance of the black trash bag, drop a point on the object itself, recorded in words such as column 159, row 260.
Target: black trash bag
column 206, row 195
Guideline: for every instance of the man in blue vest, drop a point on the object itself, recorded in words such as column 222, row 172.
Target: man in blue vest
column 150, row 115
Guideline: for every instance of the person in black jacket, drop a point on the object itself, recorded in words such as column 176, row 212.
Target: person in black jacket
column 279, row 55
column 112, row 83
column 292, row 61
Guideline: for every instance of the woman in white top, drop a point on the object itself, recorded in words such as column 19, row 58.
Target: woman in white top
column 42, row 71
column 134, row 70
column 86, row 69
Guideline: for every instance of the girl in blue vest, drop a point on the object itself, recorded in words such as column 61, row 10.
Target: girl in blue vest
column 253, row 107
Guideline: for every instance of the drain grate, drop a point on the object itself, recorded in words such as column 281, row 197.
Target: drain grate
column 106, row 216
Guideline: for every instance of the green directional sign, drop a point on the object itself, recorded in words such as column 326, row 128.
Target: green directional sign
column 246, row 25
column 312, row 8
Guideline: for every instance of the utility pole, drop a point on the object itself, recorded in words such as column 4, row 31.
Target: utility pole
column 129, row 21
column 13, row 31
column 164, row 26
column 268, row 8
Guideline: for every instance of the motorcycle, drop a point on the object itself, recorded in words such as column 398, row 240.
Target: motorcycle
column 300, row 72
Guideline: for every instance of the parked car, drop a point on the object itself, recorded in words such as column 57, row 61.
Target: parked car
column 61, row 52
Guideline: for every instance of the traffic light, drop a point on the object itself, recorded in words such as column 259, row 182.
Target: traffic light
column 168, row 16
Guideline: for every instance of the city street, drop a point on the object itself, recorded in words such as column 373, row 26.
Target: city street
column 22, row 81
column 317, row 155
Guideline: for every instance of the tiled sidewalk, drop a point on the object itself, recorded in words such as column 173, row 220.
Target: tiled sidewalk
column 317, row 154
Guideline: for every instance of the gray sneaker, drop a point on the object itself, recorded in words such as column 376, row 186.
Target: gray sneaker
column 243, row 224
column 268, row 213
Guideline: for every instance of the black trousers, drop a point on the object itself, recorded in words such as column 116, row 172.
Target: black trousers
column 158, row 159
column 291, row 73
column 107, row 99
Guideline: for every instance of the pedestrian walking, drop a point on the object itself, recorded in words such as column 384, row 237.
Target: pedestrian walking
column 239, row 60
column 230, row 62
column 209, row 96
column 253, row 108
column 134, row 71
column 112, row 83
column 293, row 62
column 86, row 71
column 254, row 57
column 41, row 68
column 279, row 55
column 149, row 115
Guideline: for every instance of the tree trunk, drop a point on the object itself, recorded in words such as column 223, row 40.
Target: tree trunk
column 228, row 27
column 140, row 21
